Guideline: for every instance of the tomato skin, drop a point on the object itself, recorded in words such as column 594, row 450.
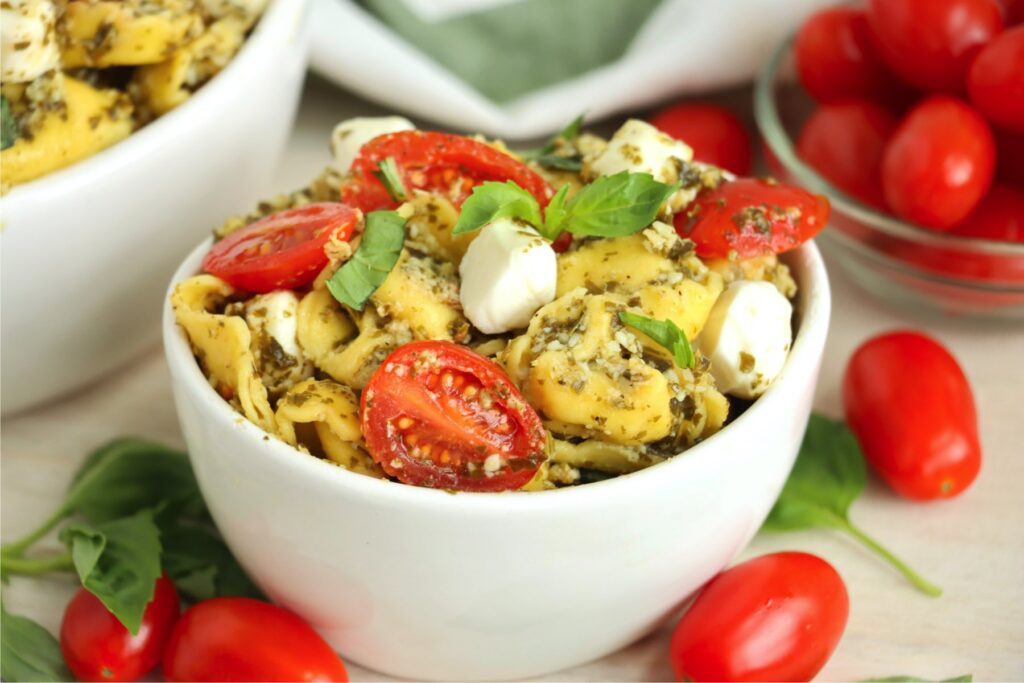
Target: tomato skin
column 714, row 133
column 939, row 163
column 442, row 163
column 999, row 216
column 97, row 647
column 911, row 408
column 845, row 142
column 284, row 250
column 752, row 216
column 930, row 43
column 836, row 59
column 241, row 639
column 1010, row 159
column 777, row 617
column 995, row 81
column 426, row 420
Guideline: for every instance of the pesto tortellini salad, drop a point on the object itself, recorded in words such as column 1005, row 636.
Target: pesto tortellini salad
column 439, row 310
column 81, row 75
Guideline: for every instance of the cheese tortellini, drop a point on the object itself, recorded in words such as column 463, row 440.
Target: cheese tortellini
column 81, row 75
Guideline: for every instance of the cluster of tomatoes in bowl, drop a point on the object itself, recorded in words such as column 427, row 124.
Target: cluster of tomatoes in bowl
column 920, row 110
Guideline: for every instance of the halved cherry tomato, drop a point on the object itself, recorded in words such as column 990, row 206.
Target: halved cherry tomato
column 442, row 163
column 241, row 639
column 97, row 647
column 939, row 163
column 715, row 134
column 844, row 142
column 752, row 216
column 836, row 59
column 282, row 251
column 999, row 216
column 996, row 80
column 437, row 414
column 777, row 617
column 930, row 43
column 911, row 408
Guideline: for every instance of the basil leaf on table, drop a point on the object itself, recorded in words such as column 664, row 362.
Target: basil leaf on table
column 118, row 561
column 8, row 126
column 666, row 333
column 491, row 200
column 199, row 562
column 827, row 477
column 378, row 252
column 28, row 652
column 616, row 205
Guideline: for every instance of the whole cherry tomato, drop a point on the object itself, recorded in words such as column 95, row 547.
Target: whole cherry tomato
column 437, row 414
column 715, row 134
column 97, row 647
column 911, row 408
column 1013, row 11
column 1000, row 216
column 774, row 618
column 844, row 142
column 752, row 217
column 939, row 163
column 996, row 80
column 282, row 251
column 441, row 163
column 930, row 43
column 241, row 639
column 835, row 58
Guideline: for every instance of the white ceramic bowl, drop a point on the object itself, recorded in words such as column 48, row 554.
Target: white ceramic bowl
column 86, row 251
column 426, row 584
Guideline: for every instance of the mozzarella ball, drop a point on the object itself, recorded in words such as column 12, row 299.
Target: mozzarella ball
column 350, row 136
column 639, row 147
column 28, row 40
column 508, row 272
column 747, row 337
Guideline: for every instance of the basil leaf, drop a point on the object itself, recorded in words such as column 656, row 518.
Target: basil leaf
column 28, row 652
column 119, row 562
column 559, row 163
column 8, row 125
column 616, row 205
column 827, row 477
column 387, row 173
column 554, row 215
column 377, row 253
column 666, row 333
column 966, row 678
column 128, row 475
column 569, row 133
column 200, row 563
column 492, row 200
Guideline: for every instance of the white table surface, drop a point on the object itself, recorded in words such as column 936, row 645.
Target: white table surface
column 972, row 546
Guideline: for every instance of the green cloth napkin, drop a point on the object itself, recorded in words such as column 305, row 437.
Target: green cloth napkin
column 511, row 50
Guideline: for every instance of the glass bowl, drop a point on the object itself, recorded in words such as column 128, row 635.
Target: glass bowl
column 907, row 266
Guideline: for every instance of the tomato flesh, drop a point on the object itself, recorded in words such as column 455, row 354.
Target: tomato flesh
column 996, row 80
column 845, row 142
column 284, row 250
column 752, row 217
column 911, row 408
column 939, row 163
column 714, row 133
column 436, row 414
column 835, row 58
column 241, row 639
column 440, row 163
column 774, row 618
column 97, row 647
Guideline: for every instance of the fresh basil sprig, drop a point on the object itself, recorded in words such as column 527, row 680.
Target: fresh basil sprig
column 828, row 476
column 8, row 126
column 666, row 333
column 378, row 251
column 611, row 206
column 28, row 652
column 567, row 134
column 388, row 174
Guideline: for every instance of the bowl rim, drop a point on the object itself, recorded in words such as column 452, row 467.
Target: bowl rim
column 813, row 313
column 172, row 125
column 780, row 143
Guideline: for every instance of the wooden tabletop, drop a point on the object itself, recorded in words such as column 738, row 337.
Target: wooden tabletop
column 973, row 546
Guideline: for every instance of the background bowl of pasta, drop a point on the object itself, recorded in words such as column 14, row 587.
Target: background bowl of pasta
column 86, row 250
column 427, row 584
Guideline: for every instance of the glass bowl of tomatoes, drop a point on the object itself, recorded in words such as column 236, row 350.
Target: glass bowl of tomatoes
column 969, row 267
